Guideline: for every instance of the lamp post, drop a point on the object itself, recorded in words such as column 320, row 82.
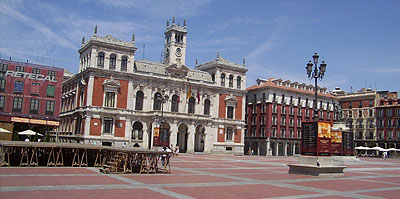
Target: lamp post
column 316, row 74
column 162, row 99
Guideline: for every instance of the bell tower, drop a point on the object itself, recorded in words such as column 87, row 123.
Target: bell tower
column 175, row 43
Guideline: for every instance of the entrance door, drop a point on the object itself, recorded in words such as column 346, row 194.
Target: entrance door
column 199, row 139
column 182, row 138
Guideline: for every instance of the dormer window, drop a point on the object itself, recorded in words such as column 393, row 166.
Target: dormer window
column 100, row 60
column 113, row 62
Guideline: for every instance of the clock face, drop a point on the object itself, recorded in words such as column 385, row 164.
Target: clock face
column 178, row 52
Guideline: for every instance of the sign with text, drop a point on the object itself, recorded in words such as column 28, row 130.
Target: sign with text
column 336, row 138
column 316, row 138
column 347, row 144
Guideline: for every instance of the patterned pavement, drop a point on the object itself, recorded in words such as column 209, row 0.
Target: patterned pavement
column 207, row 176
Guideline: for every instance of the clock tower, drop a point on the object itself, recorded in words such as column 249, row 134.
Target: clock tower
column 175, row 43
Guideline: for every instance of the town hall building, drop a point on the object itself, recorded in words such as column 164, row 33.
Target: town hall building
column 115, row 100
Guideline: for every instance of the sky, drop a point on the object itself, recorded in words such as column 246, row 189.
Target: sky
column 358, row 39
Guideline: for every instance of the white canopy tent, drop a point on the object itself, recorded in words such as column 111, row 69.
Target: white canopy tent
column 4, row 130
column 29, row 132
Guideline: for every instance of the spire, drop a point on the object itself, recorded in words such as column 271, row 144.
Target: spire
column 133, row 37
column 217, row 54
column 167, row 22
column 83, row 40
column 184, row 22
column 197, row 62
column 95, row 31
column 173, row 20
column 244, row 61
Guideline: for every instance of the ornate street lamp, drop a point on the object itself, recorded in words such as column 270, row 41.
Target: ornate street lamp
column 316, row 74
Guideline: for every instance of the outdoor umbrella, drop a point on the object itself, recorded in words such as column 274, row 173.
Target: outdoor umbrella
column 29, row 132
column 4, row 130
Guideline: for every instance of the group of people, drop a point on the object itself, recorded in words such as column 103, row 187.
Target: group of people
column 169, row 150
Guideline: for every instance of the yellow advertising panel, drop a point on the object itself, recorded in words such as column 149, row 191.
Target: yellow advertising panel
column 36, row 121
column 53, row 123
column 156, row 132
column 336, row 136
column 324, row 130
column 20, row 119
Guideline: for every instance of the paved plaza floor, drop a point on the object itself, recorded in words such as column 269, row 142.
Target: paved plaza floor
column 206, row 176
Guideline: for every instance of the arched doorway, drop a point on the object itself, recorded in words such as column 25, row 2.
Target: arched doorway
column 182, row 138
column 137, row 131
column 199, row 139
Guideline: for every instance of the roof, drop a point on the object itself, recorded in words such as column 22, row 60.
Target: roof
column 221, row 61
column 270, row 83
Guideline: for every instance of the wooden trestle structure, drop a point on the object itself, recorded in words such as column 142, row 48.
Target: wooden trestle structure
column 109, row 159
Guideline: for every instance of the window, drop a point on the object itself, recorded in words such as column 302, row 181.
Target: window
column 299, row 111
column 19, row 69
column 17, row 104
column 35, row 88
column 370, row 112
column 2, row 102
column 283, row 123
column 371, row 124
column 109, row 100
column 52, row 74
column 3, row 67
column 274, row 132
column 380, row 123
column 254, row 108
column 307, row 112
column 283, row 100
column 390, row 135
column 254, row 120
column 36, row 71
column 157, row 102
column 139, row 100
column 291, row 100
column 231, row 81
column 262, row 119
column 192, row 103
column 274, row 108
column 175, row 103
column 213, row 77
column 283, row 109
column 100, row 60
column 380, row 113
column 222, row 79
column 239, row 82
column 253, row 132
column 262, row 131
column 50, row 107
column 82, row 98
column 50, row 90
column 34, row 107
column 290, row 133
column 282, row 132
column 273, row 120
column 263, row 108
column 108, row 125
column 291, row 110
column 230, row 112
column 389, row 113
column 207, row 105
column 360, row 124
column 2, row 85
column 380, row 135
column 298, row 133
column 229, row 133
column 137, row 132
column 360, row 113
column 397, row 112
column 350, row 113
column 18, row 87
column 398, row 123
column 113, row 62
column 299, row 122
column 389, row 123
column 124, row 63
column 360, row 104
column 398, row 135
column 291, row 122
column 371, row 103
column 274, row 97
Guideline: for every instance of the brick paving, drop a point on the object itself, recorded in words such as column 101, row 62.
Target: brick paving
column 207, row 176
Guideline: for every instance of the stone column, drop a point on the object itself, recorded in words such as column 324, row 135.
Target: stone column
column 146, row 132
column 89, row 96
column 294, row 148
column 174, row 134
column 128, row 130
column 87, row 128
column 208, row 140
column 285, row 148
column 190, row 142
column 130, row 104
column 269, row 150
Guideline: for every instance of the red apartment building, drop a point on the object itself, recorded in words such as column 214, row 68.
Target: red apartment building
column 388, row 123
column 30, row 96
column 275, row 111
